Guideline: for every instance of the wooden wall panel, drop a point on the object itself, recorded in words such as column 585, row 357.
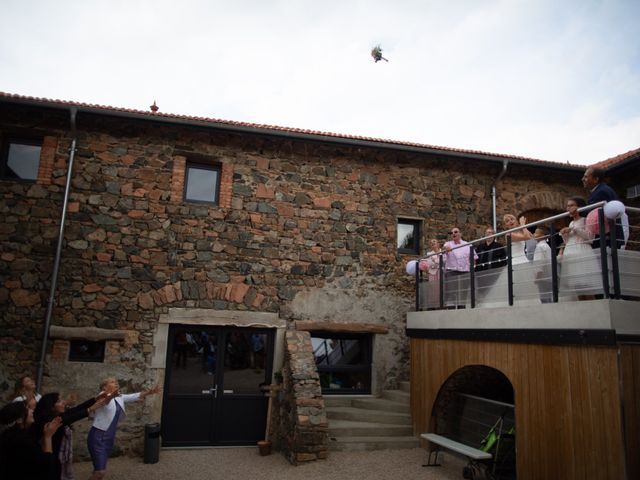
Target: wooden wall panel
column 630, row 365
column 567, row 403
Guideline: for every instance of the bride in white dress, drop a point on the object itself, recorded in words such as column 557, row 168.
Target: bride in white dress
column 497, row 294
column 581, row 271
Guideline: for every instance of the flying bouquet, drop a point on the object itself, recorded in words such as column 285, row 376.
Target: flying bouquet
column 376, row 53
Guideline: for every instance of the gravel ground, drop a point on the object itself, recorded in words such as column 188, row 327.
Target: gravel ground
column 246, row 463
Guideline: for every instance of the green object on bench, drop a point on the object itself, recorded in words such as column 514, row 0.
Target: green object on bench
column 492, row 438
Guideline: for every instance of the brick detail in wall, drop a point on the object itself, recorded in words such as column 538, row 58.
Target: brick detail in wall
column 47, row 159
column 226, row 185
column 60, row 350
column 177, row 179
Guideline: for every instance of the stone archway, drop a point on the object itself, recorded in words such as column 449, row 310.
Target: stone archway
column 475, row 403
column 544, row 200
column 542, row 204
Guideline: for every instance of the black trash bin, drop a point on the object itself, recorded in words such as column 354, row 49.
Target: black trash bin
column 151, row 442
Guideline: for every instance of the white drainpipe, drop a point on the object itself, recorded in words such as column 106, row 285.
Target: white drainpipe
column 505, row 163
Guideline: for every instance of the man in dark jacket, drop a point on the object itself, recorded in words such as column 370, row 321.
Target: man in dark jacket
column 593, row 180
column 491, row 253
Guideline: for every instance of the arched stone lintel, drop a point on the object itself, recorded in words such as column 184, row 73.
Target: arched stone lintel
column 546, row 199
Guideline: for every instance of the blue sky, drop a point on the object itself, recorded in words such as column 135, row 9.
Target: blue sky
column 555, row 80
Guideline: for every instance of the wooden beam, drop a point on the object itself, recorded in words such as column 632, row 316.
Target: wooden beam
column 340, row 327
column 93, row 334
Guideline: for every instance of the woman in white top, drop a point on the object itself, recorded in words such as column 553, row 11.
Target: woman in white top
column 518, row 238
column 26, row 390
column 102, row 435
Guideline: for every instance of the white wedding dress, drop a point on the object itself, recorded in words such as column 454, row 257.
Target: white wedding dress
column 492, row 288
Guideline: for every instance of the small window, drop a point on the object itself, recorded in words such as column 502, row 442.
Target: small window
column 202, row 183
column 86, row 351
column 633, row 192
column 408, row 240
column 343, row 362
column 20, row 160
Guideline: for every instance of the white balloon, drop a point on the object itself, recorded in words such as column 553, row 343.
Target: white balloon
column 613, row 209
column 411, row 267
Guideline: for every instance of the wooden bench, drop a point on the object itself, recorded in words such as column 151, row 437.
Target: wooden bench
column 462, row 425
column 466, row 450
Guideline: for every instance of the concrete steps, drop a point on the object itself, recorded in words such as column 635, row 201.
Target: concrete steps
column 367, row 415
column 359, row 423
column 349, row 428
column 360, row 444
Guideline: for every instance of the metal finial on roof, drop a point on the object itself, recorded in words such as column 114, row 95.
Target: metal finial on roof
column 154, row 108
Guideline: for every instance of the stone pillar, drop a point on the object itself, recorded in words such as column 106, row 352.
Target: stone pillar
column 299, row 422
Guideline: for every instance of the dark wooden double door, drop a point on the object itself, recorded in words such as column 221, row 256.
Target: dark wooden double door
column 213, row 393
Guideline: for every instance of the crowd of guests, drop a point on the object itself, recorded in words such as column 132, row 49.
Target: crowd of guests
column 579, row 265
column 36, row 439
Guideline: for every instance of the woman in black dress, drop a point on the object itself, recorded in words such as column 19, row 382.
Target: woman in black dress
column 53, row 405
column 23, row 455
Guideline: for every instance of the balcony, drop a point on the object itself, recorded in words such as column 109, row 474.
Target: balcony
column 557, row 338
column 530, row 298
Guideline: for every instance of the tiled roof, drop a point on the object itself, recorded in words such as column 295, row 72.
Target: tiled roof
column 618, row 160
column 273, row 129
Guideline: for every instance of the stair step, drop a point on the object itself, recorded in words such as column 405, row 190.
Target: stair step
column 381, row 404
column 396, row 396
column 367, row 415
column 350, row 428
column 342, row 400
column 365, row 422
column 359, row 443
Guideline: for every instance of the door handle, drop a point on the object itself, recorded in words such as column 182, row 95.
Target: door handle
column 211, row 391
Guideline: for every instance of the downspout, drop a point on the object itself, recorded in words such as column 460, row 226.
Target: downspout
column 56, row 262
column 505, row 163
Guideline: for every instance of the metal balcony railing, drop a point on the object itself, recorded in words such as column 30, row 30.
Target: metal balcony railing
column 591, row 270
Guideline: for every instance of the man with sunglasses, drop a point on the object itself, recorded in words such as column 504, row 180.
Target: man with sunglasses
column 457, row 269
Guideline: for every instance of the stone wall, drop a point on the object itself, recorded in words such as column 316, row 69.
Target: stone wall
column 299, row 422
column 304, row 229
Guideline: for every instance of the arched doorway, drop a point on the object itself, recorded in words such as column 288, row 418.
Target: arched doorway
column 543, row 204
column 475, row 406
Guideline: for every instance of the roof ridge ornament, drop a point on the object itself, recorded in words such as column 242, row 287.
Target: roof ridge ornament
column 154, row 108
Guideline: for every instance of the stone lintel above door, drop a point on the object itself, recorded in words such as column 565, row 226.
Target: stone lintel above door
column 340, row 327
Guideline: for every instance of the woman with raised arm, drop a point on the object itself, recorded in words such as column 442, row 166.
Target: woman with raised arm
column 102, row 435
column 518, row 238
column 52, row 405
column 581, row 271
